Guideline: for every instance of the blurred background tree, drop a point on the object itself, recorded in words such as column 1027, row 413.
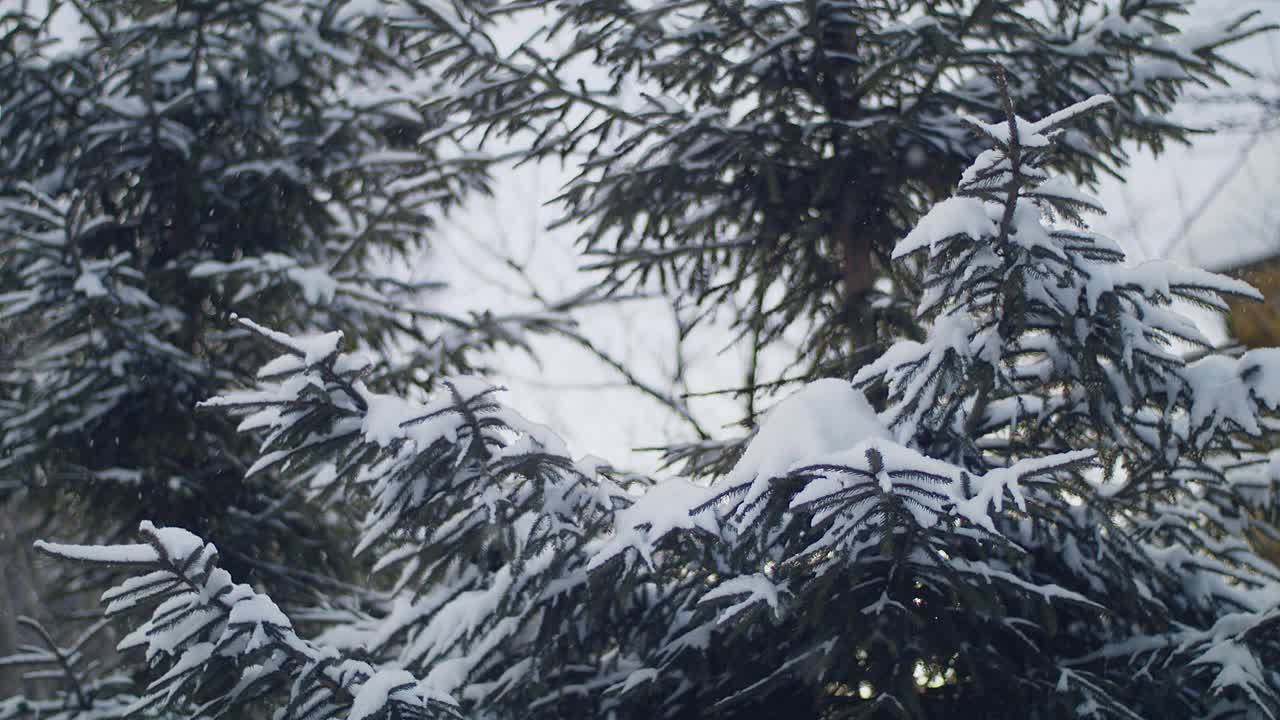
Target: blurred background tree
column 162, row 166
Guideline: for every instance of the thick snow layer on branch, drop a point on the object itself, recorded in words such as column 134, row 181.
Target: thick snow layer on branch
column 663, row 509
column 387, row 415
column 953, row 216
column 90, row 285
column 1028, row 135
column 312, row 348
column 176, row 542
column 1261, row 371
column 823, row 417
column 748, row 590
column 389, row 418
column 1033, row 134
column 258, row 610
column 1053, row 120
column 375, row 691
column 1239, row 667
column 123, row 554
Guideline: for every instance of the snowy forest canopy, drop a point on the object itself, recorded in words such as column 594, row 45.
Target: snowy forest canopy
column 987, row 465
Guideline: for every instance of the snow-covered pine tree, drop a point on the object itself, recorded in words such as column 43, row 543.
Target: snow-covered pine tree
column 1042, row 522
column 767, row 156
column 1046, row 519
column 479, row 516
column 178, row 162
column 163, row 165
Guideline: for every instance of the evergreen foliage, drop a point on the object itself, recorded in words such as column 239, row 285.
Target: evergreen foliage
column 1050, row 506
column 88, row 695
column 182, row 162
column 769, row 155
column 1001, row 491
column 1044, row 521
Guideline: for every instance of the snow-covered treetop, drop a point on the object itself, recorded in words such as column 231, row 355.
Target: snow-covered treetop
column 769, row 155
column 1022, row 300
column 1044, row 446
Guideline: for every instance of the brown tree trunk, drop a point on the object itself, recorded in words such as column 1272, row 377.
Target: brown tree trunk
column 857, row 231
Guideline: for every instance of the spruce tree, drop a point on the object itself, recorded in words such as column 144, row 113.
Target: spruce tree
column 1002, row 491
column 173, row 164
column 1043, row 521
column 768, row 156
column 1051, row 506
column 181, row 162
